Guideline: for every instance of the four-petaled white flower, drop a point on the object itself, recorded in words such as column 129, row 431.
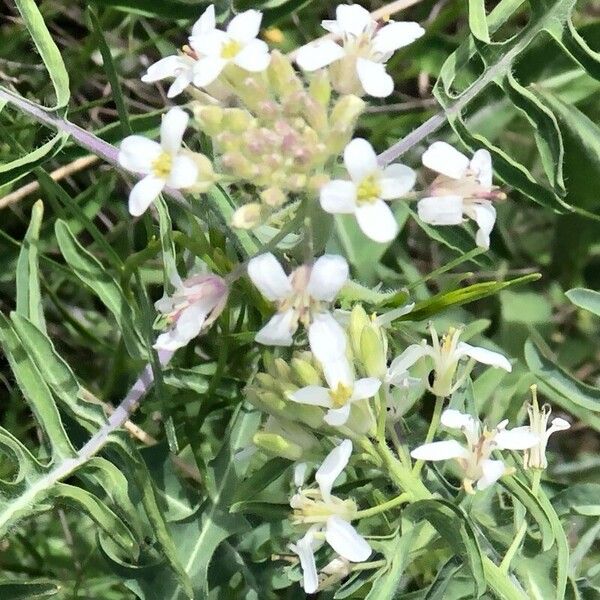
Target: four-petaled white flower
column 474, row 458
column 195, row 305
column 238, row 45
column 162, row 164
column 463, row 187
column 323, row 511
column 445, row 356
column 535, row 457
column 359, row 65
column 303, row 297
column 364, row 195
column 343, row 390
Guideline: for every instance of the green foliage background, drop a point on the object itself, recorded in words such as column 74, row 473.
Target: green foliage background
column 78, row 277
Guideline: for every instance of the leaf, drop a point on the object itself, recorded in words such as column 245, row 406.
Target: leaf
column 586, row 299
column 19, row 590
column 261, row 478
column 29, row 297
column 91, row 272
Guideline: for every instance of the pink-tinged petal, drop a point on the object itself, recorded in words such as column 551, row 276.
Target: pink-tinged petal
column 365, row 388
column 172, row 128
column 332, row 466
column 396, row 35
column 206, row 70
column 519, row 438
column 396, row 181
column 245, row 26
column 492, row 471
column 254, row 57
column 184, row 173
column 319, row 55
column 440, row 451
column 441, row 210
column 442, row 158
column 374, row 79
column 336, row 417
column 481, row 165
column 377, row 221
column 205, row 23
column 360, row 159
column 143, row 193
column 353, row 19
column 328, row 276
column 278, row 331
column 314, row 395
column 269, row 277
column 484, row 356
column 137, row 153
column 346, row 541
column 326, row 338
column 338, row 197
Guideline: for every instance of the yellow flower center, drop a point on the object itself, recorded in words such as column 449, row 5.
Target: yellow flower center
column 162, row 165
column 340, row 396
column 368, row 190
column 230, row 49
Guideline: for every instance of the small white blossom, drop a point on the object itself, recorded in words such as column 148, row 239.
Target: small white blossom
column 445, row 356
column 367, row 189
column 343, row 390
column 329, row 517
column 195, row 305
column 303, row 297
column 162, row 164
column 463, row 187
column 237, row 45
column 358, row 66
column 474, row 458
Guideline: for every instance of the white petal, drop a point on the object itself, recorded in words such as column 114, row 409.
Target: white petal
column 443, row 158
column 346, row 541
column 278, row 331
column 374, row 78
column 365, row 388
column 245, row 26
column 205, row 23
column 191, row 320
column 338, row 370
column 377, row 221
column 396, row 35
column 165, row 67
column 492, row 471
column 210, row 44
column 170, row 341
column 269, row 277
column 137, row 153
column 484, row 215
column 328, row 276
column 481, row 165
column 184, row 173
column 326, row 337
column 441, row 210
column 318, row 55
column 353, row 19
column 143, row 193
column 332, row 466
column 558, row 424
column 307, row 563
column 300, row 474
column 206, row 70
column 487, row 357
column 336, row 417
column 398, row 369
column 181, row 82
column 172, row 128
column 254, row 57
column 338, row 197
column 314, row 395
column 360, row 159
column 396, row 181
column 454, row 419
column 440, row 451
column 332, row 26
column 519, row 438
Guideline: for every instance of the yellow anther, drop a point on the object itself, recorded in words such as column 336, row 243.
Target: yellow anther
column 340, row 396
column 162, row 165
column 230, row 49
column 368, row 190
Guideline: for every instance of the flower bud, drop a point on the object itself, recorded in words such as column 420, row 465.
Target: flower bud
column 320, row 87
column 247, row 216
column 273, row 197
column 277, row 445
column 206, row 174
column 209, row 118
column 282, row 76
column 373, row 351
column 237, row 120
column 358, row 320
column 346, row 112
column 305, row 373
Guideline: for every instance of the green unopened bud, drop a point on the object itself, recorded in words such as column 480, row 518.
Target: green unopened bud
column 320, row 87
column 206, row 174
column 284, row 370
column 277, row 445
column 373, row 352
column 358, row 320
column 247, row 216
column 292, row 432
column 266, row 381
column 237, row 120
column 209, row 118
column 346, row 112
column 305, row 373
column 282, row 76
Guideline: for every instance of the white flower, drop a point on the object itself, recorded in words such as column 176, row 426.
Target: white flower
column 445, row 356
column 474, row 458
column 359, row 65
column 343, row 390
column 323, row 511
column 365, row 193
column 535, row 457
column 238, row 45
column 463, row 187
column 302, row 297
column 162, row 164
column 195, row 305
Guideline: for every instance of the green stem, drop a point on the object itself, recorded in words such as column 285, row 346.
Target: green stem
column 375, row 510
column 375, row 564
column 433, row 427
